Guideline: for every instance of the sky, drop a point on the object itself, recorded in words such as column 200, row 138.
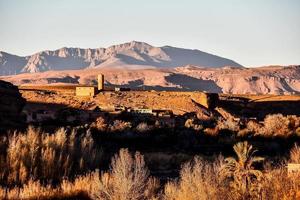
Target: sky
column 253, row 32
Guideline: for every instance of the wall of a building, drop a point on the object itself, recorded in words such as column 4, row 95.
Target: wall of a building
column 85, row 91
column 100, row 82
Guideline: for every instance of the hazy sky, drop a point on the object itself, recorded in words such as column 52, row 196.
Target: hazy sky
column 252, row 32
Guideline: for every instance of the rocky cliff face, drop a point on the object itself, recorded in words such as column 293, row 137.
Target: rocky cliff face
column 137, row 55
column 11, row 105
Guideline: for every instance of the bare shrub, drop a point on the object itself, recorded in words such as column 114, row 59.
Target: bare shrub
column 190, row 123
column 295, row 154
column 211, row 131
column 143, row 127
column 252, row 128
column 279, row 125
column 228, row 124
column 298, row 131
column 129, row 175
column 100, row 124
column 119, row 125
column 197, row 181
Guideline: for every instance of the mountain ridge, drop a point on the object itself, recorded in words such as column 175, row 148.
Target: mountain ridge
column 128, row 55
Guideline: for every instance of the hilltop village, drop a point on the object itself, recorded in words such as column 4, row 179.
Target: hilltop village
column 82, row 104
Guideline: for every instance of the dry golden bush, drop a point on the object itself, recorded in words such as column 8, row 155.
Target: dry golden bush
column 79, row 189
column 278, row 185
column 119, row 125
column 128, row 179
column 211, row 131
column 129, row 176
column 228, row 124
column 197, row 181
column 48, row 157
column 295, row 154
column 279, row 125
column 143, row 127
column 89, row 183
column 252, row 128
column 190, row 123
column 32, row 189
column 100, row 124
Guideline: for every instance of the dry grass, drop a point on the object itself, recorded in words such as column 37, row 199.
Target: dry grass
column 201, row 180
column 278, row 185
column 197, row 181
column 128, row 179
column 295, row 154
column 38, row 165
column 48, row 157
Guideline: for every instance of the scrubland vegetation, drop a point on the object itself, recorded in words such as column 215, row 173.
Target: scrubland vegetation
column 68, row 164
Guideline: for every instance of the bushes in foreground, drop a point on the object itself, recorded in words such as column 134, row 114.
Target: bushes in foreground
column 128, row 179
column 275, row 125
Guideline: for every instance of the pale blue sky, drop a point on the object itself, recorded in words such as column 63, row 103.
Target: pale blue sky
column 251, row 32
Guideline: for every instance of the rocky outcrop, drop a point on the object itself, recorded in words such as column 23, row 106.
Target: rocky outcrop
column 11, row 105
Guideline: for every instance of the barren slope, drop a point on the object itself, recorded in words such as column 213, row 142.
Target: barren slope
column 265, row 80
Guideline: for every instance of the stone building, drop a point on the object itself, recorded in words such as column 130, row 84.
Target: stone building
column 90, row 91
column 84, row 91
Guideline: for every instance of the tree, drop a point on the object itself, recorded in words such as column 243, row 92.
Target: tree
column 240, row 173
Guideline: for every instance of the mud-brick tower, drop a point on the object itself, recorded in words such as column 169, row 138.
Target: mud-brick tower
column 100, row 82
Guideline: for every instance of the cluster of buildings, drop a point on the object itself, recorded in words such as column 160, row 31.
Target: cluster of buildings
column 207, row 100
column 90, row 91
column 71, row 115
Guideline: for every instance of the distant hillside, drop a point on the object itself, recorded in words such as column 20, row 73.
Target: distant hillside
column 233, row 80
column 132, row 55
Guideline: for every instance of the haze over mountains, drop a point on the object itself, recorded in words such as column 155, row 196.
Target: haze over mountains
column 132, row 55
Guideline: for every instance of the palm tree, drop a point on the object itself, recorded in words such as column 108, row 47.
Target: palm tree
column 239, row 172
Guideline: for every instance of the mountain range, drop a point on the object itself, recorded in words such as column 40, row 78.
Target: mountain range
column 138, row 64
column 131, row 55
